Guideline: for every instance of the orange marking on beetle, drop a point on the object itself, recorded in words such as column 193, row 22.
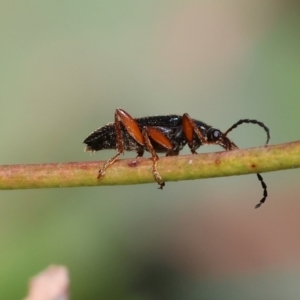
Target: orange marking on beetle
column 130, row 125
column 158, row 137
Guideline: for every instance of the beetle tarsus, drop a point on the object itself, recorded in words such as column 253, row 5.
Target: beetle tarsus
column 107, row 164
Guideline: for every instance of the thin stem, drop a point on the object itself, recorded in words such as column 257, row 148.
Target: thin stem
column 138, row 170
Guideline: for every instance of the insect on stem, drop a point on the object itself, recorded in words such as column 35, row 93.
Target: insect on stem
column 162, row 134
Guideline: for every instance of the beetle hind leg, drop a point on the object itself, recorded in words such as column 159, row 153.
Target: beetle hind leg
column 119, row 144
column 107, row 164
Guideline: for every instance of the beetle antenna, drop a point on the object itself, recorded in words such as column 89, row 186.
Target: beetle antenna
column 264, row 186
column 253, row 122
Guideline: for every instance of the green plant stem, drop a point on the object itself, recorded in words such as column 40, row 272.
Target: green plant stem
column 139, row 170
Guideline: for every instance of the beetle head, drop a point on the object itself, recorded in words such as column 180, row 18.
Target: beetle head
column 215, row 136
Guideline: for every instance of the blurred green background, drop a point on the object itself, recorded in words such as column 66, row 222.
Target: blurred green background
column 66, row 65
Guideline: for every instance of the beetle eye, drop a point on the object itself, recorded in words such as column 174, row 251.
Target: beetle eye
column 213, row 134
column 217, row 134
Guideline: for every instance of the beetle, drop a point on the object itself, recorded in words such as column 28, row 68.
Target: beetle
column 161, row 134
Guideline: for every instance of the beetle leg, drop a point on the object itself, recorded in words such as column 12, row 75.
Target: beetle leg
column 158, row 137
column 120, row 145
column 132, row 128
column 130, row 125
column 107, row 164
column 140, row 152
column 189, row 128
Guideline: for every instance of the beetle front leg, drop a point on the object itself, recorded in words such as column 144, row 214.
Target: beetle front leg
column 189, row 128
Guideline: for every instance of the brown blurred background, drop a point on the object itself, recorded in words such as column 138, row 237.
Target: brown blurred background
column 66, row 65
